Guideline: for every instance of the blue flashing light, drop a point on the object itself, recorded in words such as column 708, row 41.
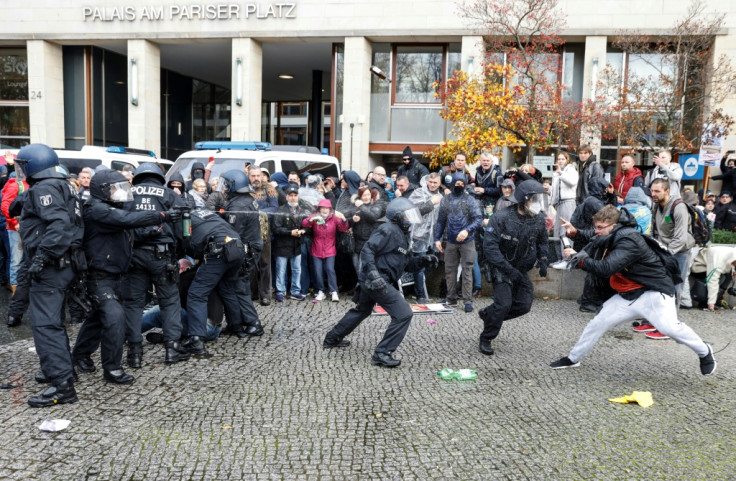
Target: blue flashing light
column 116, row 149
column 232, row 145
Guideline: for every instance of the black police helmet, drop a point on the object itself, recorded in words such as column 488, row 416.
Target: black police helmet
column 39, row 161
column 526, row 190
column 99, row 186
column 236, row 181
column 146, row 171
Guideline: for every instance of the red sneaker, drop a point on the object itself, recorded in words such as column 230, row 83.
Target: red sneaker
column 645, row 328
column 656, row 335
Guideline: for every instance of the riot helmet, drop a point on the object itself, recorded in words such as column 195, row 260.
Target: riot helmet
column 530, row 195
column 148, row 171
column 36, row 162
column 234, row 181
column 111, row 186
column 403, row 212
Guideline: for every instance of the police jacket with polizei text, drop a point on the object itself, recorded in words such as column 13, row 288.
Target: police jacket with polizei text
column 516, row 241
column 387, row 251
column 152, row 196
column 241, row 212
column 627, row 252
column 51, row 220
column 207, row 227
column 109, row 236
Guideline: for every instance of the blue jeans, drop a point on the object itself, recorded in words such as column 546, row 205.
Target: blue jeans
column 296, row 273
column 16, row 255
column 320, row 267
column 152, row 318
column 476, row 274
column 683, row 260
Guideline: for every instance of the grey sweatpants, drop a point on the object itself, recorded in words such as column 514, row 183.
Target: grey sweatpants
column 657, row 308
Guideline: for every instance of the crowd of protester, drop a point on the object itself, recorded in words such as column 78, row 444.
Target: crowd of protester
column 298, row 227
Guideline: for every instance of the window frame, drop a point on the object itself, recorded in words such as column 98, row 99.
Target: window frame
column 394, row 59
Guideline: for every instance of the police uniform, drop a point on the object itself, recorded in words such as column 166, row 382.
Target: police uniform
column 514, row 243
column 108, row 245
column 154, row 261
column 51, row 227
column 384, row 255
column 241, row 212
column 220, row 251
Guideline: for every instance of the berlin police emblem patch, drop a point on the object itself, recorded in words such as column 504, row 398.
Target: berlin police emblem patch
column 45, row 200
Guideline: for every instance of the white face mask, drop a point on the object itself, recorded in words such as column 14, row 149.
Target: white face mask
column 535, row 207
column 119, row 196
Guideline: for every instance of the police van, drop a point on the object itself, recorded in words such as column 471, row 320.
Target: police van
column 236, row 155
column 124, row 159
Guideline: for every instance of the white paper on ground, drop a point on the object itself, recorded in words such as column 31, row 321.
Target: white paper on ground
column 54, row 425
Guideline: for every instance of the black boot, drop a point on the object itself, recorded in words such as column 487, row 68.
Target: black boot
column 334, row 341
column 118, row 376
column 41, row 378
column 486, row 347
column 64, row 393
column 13, row 321
column 175, row 352
column 135, row 355
column 84, row 364
column 384, row 360
column 254, row 328
column 237, row 331
column 195, row 346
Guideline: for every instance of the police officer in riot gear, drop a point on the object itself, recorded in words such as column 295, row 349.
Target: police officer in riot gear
column 155, row 261
column 108, row 244
column 221, row 254
column 516, row 240
column 51, row 230
column 383, row 260
column 241, row 212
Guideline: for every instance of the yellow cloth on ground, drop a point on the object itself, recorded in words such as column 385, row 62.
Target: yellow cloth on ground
column 644, row 398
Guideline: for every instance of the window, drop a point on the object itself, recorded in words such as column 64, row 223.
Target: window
column 296, row 109
column 15, row 123
column 417, row 69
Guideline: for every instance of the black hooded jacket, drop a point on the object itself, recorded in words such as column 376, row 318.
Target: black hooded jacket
column 196, row 166
column 415, row 170
column 589, row 170
column 582, row 218
column 625, row 251
column 188, row 200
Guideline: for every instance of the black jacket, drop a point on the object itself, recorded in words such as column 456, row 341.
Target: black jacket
column 207, row 227
column 241, row 212
column 284, row 221
column 625, row 251
column 383, row 195
column 515, row 241
column 369, row 215
column 589, row 170
column 414, row 171
column 387, row 251
column 582, row 218
column 152, row 196
column 726, row 216
column 490, row 181
column 51, row 221
column 109, row 235
column 728, row 176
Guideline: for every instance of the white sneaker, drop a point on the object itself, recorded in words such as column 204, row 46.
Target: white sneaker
column 320, row 296
column 562, row 265
column 335, row 297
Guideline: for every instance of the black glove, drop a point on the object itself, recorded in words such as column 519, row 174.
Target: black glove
column 576, row 259
column 429, row 260
column 542, row 264
column 36, row 266
column 376, row 282
column 172, row 216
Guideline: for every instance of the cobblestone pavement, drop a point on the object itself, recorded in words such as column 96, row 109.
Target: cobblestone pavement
column 281, row 407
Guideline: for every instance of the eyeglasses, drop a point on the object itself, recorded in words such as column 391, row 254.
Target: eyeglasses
column 378, row 175
column 407, row 158
column 602, row 227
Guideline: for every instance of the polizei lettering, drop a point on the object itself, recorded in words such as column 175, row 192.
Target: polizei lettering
column 148, row 190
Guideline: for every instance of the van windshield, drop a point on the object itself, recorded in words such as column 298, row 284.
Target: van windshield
column 184, row 166
column 326, row 169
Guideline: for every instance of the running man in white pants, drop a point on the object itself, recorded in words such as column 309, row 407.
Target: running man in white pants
column 645, row 289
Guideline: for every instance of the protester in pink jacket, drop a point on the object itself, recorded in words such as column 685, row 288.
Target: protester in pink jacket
column 324, row 225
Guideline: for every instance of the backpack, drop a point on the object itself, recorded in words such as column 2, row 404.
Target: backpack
column 701, row 231
column 669, row 261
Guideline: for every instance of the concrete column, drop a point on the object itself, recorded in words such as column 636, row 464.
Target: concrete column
column 245, row 119
column 356, row 105
column 472, row 54
column 595, row 62
column 46, row 92
column 144, row 119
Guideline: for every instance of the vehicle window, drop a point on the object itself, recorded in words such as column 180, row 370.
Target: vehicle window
column 269, row 165
column 326, row 169
column 222, row 165
column 122, row 166
column 75, row 165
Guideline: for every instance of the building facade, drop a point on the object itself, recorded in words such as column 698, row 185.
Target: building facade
column 162, row 75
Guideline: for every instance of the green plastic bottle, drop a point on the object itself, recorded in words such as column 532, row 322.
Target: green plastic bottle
column 460, row 374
